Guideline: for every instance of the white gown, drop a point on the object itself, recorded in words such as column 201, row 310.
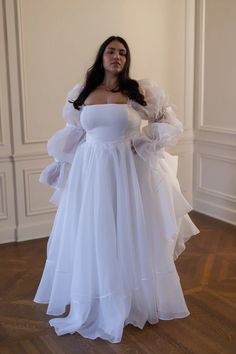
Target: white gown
column 121, row 221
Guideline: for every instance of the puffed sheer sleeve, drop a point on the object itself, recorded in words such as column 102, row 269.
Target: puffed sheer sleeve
column 163, row 128
column 63, row 145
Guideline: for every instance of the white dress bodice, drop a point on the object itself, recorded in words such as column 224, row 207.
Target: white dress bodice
column 109, row 122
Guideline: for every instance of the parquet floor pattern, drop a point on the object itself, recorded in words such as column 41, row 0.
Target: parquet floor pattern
column 207, row 270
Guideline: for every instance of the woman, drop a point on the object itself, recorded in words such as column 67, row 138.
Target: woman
column 122, row 220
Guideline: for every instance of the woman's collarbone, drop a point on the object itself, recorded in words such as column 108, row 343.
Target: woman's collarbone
column 106, row 98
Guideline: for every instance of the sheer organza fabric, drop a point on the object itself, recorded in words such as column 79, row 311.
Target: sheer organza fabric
column 121, row 221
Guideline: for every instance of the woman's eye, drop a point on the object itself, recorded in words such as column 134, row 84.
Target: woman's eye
column 111, row 51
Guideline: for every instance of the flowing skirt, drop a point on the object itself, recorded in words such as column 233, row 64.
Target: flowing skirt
column 120, row 225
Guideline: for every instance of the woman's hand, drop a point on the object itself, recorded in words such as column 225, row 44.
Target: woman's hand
column 133, row 148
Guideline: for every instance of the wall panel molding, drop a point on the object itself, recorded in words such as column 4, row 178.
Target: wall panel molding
column 210, row 191
column 7, row 206
column 214, row 146
column 2, row 141
column 189, row 64
column 3, row 197
column 199, row 69
column 23, row 79
column 30, row 194
column 200, row 90
column 2, row 59
column 5, row 144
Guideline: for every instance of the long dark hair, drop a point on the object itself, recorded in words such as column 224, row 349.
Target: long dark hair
column 95, row 76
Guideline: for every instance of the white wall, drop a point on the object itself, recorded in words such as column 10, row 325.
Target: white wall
column 46, row 47
column 215, row 114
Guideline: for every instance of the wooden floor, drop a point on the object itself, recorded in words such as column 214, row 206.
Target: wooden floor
column 207, row 270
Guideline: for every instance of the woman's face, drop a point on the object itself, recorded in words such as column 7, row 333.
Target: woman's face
column 114, row 57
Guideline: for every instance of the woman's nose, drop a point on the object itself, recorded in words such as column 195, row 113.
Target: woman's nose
column 116, row 54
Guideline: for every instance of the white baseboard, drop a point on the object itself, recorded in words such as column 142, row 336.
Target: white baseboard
column 215, row 210
column 7, row 234
column 33, row 231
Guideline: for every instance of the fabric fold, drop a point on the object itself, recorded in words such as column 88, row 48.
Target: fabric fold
column 55, row 175
column 63, row 144
column 163, row 128
column 150, row 143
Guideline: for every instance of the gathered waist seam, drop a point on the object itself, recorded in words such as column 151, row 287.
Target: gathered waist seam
column 114, row 141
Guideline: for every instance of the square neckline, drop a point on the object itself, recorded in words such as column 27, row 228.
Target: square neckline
column 105, row 104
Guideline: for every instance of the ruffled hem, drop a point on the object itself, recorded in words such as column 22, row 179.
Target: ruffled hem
column 187, row 229
column 95, row 330
column 158, row 297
